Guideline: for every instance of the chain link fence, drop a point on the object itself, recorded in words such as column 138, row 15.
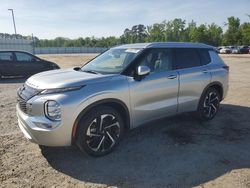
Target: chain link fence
column 17, row 44
column 28, row 46
column 68, row 50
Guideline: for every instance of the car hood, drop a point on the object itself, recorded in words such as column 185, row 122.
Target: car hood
column 64, row 78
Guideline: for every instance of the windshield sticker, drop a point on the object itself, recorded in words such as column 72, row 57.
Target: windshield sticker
column 132, row 50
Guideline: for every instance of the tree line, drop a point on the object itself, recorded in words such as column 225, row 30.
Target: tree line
column 177, row 30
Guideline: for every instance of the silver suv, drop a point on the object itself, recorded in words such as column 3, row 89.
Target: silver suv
column 123, row 88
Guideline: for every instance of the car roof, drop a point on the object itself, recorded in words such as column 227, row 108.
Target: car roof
column 165, row 45
column 15, row 51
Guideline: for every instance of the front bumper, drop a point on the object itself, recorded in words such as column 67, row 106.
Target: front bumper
column 59, row 136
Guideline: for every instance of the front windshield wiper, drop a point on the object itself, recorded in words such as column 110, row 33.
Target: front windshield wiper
column 90, row 71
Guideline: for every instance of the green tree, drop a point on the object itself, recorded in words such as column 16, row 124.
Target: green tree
column 245, row 33
column 172, row 30
column 214, row 34
column 175, row 30
column 199, row 34
column 137, row 33
column 189, row 31
column 233, row 34
column 156, row 32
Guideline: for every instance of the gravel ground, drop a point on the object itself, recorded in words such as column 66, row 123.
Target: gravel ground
column 174, row 152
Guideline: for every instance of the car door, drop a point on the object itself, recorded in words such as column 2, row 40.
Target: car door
column 7, row 64
column 155, row 95
column 194, row 76
column 28, row 64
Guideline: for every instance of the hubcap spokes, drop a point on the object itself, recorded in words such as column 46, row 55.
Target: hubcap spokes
column 102, row 133
column 211, row 104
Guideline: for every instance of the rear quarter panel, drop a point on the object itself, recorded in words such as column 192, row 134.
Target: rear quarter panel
column 219, row 74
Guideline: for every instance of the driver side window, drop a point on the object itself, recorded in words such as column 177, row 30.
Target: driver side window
column 158, row 60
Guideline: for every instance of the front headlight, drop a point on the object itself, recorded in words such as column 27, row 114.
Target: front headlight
column 52, row 110
column 61, row 90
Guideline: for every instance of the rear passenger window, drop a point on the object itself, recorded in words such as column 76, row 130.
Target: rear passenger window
column 187, row 58
column 205, row 57
column 23, row 57
column 6, row 56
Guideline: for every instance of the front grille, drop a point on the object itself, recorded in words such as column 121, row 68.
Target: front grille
column 24, row 94
column 22, row 104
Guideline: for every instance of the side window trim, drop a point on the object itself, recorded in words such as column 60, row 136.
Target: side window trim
column 198, row 54
column 13, row 57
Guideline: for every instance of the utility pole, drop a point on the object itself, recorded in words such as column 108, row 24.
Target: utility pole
column 13, row 20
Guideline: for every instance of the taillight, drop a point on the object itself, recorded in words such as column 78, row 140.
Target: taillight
column 226, row 67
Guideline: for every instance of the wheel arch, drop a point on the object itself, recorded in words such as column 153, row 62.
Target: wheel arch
column 114, row 103
column 217, row 85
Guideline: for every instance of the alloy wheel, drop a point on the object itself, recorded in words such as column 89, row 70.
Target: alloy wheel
column 211, row 104
column 102, row 133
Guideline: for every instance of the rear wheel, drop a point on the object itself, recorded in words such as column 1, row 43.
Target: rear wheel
column 209, row 104
column 100, row 131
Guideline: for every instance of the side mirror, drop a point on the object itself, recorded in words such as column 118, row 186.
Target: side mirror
column 143, row 70
column 76, row 68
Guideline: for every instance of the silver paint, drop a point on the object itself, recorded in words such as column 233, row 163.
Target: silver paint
column 156, row 95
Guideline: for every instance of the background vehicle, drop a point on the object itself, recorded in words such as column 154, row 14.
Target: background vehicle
column 121, row 89
column 20, row 63
column 244, row 49
column 234, row 49
column 225, row 50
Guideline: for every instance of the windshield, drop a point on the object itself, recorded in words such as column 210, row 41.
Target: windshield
column 113, row 61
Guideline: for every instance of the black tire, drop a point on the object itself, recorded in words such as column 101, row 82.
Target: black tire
column 209, row 104
column 100, row 131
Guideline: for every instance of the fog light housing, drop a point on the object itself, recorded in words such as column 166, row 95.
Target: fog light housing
column 52, row 110
column 44, row 125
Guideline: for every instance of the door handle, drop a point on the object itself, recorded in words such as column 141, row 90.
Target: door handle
column 172, row 76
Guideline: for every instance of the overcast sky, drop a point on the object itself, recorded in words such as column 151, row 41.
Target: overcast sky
column 82, row 18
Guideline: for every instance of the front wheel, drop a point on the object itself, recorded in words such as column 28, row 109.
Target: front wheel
column 100, row 131
column 209, row 104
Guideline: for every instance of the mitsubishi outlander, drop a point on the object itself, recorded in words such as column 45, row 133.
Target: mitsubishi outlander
column 125, row 87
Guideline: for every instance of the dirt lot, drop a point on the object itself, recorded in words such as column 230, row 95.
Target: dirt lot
column 174, row 152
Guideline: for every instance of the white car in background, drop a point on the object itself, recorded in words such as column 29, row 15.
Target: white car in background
column 234, row 49
column 225, row 50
